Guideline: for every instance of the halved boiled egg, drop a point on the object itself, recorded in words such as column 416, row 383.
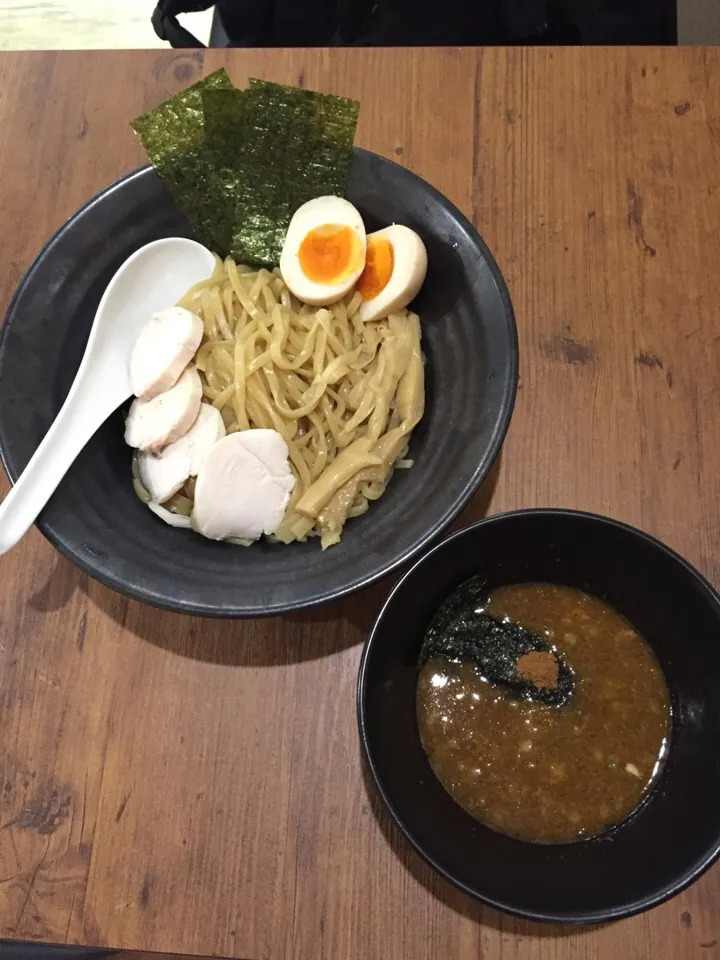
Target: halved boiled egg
column 395, row 268
column 324, row 250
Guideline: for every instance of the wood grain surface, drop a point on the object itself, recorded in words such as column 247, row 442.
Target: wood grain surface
column 195, row 787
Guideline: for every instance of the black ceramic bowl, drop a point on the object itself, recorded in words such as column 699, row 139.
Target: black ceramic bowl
column 673, row 836
column 95, row 518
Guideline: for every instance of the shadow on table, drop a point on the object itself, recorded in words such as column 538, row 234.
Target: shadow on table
column 449, row 895
column 62, row 582
column 293, row 638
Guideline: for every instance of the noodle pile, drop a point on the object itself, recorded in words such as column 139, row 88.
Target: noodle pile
column 344, row 395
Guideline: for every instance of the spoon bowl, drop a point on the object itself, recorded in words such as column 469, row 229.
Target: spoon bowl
column 154, row 277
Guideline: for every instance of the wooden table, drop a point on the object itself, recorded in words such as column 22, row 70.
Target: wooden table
column 195, row 787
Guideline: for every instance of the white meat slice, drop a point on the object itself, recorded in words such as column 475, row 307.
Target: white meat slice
column 167, row 343
column 174, row 519
column 163, row 474
column 244, row 486
column 203, row 435
column 153, row 424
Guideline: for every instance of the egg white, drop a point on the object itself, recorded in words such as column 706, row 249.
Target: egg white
column 408, row 274
column 316, row 213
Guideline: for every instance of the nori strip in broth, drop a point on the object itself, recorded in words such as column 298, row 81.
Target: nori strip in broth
column 461, row 631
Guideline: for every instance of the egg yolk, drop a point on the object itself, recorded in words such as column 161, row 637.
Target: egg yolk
column 329, row 253
column 379, row 264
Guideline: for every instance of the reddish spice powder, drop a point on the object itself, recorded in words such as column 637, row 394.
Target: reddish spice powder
column 540, row 668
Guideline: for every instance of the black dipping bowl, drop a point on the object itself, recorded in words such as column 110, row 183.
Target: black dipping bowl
column 673, row 836
column 96, row 520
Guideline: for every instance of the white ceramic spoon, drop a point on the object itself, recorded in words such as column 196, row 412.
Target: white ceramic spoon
column 154, row 277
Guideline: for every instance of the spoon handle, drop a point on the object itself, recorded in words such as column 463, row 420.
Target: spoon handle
column 72, row 428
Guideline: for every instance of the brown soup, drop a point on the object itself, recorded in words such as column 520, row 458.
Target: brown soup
column 551, row 774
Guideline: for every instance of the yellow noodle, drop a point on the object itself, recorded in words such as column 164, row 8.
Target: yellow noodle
column 228, row 294
column 354, row 304
column 224, row 397
column 220, row 318
column 241, row 417
column 208, row 314
column 344, row 395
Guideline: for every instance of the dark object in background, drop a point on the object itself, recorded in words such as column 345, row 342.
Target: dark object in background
column 313, row 23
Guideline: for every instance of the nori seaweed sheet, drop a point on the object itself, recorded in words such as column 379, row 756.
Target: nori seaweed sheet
column 460, row 631
column 285, row 147
column 239, row 163
column 173, row 136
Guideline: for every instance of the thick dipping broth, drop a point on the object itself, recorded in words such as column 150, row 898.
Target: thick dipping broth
column 541, row 773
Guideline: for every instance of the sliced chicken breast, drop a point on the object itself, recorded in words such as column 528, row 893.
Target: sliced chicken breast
column 244, row 486
column 153, row 424
column 203, row 435
column 163, row 474
column 166, row 346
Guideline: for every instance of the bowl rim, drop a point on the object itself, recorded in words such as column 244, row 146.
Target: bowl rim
column 554, row 917
column 484, row 465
